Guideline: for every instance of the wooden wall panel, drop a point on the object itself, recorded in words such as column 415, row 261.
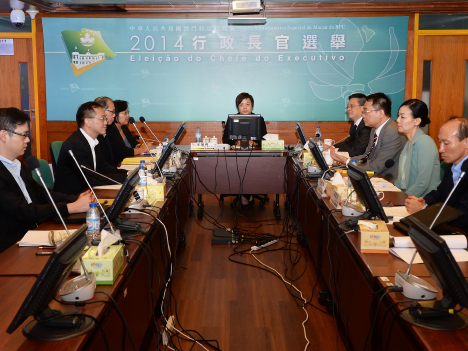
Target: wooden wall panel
column 60, row 130
column 449, row 55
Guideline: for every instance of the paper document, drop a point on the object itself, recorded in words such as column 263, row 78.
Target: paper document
column 129, row 167
column 404, row 248
column 381, row 184
column 41, row 237
column 397, row 212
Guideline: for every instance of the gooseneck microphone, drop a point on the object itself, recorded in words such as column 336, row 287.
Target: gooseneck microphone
column 100, row 174
column 68, row 149
column 75, row 289
column 132, row 121
column 142, row 120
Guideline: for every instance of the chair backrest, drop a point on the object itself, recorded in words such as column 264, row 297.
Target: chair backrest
column 443, row 167
column 55, row 148
column 46, row 174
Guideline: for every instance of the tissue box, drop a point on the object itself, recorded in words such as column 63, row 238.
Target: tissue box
column 341, row 189
column 107, row 267
column 156, row 192
column 374, row 241
column 273, row 145
column 307, row 156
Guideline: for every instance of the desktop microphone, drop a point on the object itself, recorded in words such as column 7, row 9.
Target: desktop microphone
column 132, row 121
column 82, row 287
column 411, row 284
column 89, row 185
column 142, row 120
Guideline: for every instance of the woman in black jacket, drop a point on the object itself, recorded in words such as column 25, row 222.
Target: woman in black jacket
column 118, row 135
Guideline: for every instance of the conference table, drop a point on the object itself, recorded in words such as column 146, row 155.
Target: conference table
column 135, row 290
column 234, row 172
column 354, row 277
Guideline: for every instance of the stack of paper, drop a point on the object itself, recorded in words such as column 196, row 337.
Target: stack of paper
column 404, row 248
column 35, row 238
column 381, row 184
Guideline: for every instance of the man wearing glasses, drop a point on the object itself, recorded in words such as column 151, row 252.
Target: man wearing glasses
column 384, row 143
column 92, row 122
column 24, row 203
column 358, row 138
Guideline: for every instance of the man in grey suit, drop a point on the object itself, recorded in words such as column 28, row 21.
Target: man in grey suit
column 384, row 143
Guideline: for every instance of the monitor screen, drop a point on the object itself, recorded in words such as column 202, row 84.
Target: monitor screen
column 179, row 132
column 447, row 274
column 121, row 200
column 240, row 126
column 301, row 134
column 365, row 191
column 166, row 153
column 46, row 287
column 318, row 156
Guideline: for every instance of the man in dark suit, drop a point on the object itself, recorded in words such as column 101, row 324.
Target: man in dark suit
column 384, row 144
column 453, row 149
column 356, row 143
column 24, row 203
column 91, row 121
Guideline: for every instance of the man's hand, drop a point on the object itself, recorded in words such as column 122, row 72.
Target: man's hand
column 414, row 204
column 82, row 204
column 339, row 159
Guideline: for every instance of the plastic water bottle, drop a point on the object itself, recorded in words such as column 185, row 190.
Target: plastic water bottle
column 143, row 184
column 166, row 140
column 143, row 163
column 318, row 132
column 198, row 135
column 320, row 144
column 93, row 221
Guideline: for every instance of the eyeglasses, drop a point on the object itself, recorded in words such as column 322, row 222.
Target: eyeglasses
column 21, row 134
column 351, row 106
column 368, row 111
column 104, row 119
column 111, row 111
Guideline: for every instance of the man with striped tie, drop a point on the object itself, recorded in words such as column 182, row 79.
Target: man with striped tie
column 384, row 143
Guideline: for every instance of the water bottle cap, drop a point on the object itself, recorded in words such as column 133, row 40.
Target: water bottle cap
column 318, row 126
column 141, row 167
column 142, row 161
column 319, row 139
column 93, row 204
column 166, row 136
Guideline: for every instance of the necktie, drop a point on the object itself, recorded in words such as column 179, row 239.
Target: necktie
column 372, row 147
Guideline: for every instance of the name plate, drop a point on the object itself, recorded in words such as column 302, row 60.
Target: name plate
column 322, row 187
column 335, row 199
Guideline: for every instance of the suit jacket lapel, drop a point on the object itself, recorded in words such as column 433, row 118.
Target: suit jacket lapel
column 14, row 184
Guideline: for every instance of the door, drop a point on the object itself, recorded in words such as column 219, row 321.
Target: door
column 17, row 77
column 445, row 59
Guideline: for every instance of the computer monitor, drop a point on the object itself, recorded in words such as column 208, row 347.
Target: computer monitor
column 50, row 325
column 166, row 153
column 446, row 273
column 121, row 200
column 301, row 134
column 318, row 156
column 179, row 132
column 247, row 127
column 365, row 192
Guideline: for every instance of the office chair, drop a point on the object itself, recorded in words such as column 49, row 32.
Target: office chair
column 46, row 174
column 55, row 148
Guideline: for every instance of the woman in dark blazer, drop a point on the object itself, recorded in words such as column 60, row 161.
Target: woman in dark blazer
column 118, row 135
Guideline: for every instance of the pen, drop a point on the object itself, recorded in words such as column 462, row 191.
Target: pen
column 44, row 253
column 47, row 247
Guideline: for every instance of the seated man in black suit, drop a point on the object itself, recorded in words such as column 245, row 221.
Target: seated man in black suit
column 358, row 138
column 453, row 149
column 24, row 203
column 91, row 121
